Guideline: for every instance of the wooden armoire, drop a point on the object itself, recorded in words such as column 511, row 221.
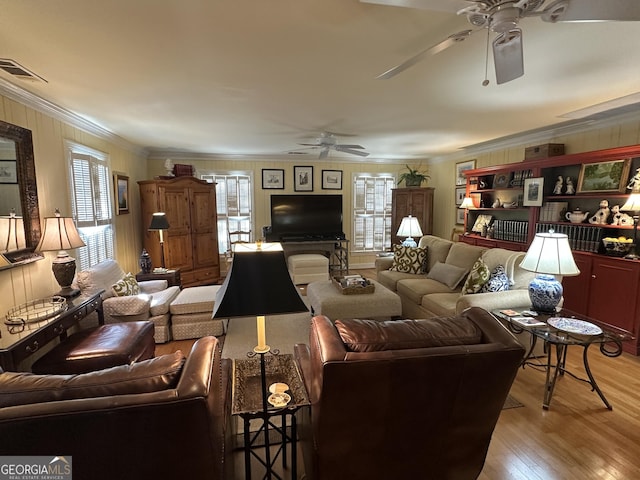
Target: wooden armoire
column 414, row 201
column 191, row 242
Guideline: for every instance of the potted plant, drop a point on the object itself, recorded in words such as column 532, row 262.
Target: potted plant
column 413, row 177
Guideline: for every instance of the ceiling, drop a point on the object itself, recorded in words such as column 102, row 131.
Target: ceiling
column 256, row 78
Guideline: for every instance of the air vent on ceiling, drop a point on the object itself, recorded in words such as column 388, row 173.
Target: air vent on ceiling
column 14, row 68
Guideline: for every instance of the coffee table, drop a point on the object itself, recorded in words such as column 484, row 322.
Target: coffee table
column 325, row 299
column 573, row 331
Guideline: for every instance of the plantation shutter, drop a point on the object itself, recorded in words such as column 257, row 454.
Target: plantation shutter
column 372, row 212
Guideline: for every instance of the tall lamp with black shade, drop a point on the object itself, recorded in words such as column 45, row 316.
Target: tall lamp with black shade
column 258, row 284
column 60, row 233
column 160, row 223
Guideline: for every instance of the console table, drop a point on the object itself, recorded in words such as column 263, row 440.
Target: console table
column 18, row 342
column 337, row 251
column 171, row 276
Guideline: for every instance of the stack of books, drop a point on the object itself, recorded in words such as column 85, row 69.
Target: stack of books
column 553, row 211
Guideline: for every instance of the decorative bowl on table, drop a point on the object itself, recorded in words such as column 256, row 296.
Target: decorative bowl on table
column 618, row 247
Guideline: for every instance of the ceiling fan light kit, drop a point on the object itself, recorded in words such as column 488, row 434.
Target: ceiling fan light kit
column 503, row 17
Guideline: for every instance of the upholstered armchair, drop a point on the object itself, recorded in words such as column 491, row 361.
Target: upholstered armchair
column 404, row 398
column 152, row 303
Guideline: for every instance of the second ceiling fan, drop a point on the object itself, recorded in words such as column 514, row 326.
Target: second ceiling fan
column 328, row 141
column 502, row 17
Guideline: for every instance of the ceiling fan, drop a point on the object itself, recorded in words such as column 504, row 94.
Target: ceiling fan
column 502, row 18
column 328, row 141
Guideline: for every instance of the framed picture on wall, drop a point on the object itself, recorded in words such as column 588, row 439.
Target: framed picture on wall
column 121, row 184
column 604, row 176
column 461, row 168
column 460, row 216
column 303, row 179
column 8, row 171
column 332, row 179
column 272, row 178
column 460, row 193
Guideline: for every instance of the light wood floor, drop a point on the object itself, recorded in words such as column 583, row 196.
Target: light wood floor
column 577, row 438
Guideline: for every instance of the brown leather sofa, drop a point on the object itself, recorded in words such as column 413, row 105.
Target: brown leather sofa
column 404, row 399
column 163, row 418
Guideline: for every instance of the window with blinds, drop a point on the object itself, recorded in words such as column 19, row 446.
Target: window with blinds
column 372, row 212
column 234, row 203
column 91, row 203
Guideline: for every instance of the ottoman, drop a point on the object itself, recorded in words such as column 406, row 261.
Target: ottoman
column 325, row 299
column 191, row 313
column 308, row 267
column 99, row 348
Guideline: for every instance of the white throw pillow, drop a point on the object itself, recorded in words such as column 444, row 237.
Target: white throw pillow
column 448, row 274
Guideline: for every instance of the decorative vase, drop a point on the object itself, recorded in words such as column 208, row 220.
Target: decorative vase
column 145, row 262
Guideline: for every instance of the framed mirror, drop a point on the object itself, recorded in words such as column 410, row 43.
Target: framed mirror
column 18, row 190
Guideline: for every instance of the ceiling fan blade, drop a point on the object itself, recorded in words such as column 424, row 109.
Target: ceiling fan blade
column 345, row 145
column 437, row 48
column 324, row 153
column 344, row 149
column 452, row 6
column 507, row 56
column 592, row 10
column 310, row 144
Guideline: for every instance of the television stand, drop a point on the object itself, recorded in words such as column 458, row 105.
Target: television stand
column 337, row 251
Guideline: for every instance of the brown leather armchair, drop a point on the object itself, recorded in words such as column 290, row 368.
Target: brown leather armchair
column 404, row 399
column 163, row 418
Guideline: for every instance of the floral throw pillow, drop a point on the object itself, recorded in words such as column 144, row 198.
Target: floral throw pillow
column 477, row 278
column 408, row 259
column 498, row 281
column 126, row 286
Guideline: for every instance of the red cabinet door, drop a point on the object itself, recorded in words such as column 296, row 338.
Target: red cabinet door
column 576, row 289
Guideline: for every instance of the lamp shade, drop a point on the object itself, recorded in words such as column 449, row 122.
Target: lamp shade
column 59, row 233
column 409, row 227
column 159, row 221
column 12, row 233
column 467, row 203
column 632, row 204
column 257, row 284
column 550, row 254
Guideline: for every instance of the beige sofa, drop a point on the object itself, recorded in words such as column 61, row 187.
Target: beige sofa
column 424, row 297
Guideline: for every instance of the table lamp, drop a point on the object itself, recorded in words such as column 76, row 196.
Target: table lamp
column 258, row 284
column 160, row 223
column 408, row 228
column 548, row 255
column 633, row 205
column 59, row 233
column 12, row 233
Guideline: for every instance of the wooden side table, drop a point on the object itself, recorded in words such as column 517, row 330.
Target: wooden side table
column 171, row 276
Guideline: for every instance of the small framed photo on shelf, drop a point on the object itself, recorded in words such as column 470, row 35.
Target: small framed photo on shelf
column 533, row 192
column 460, row 194
column 483, row 220
column 461, row 167
column 332, row 179
column 303, row 179
column 502, row 180
column 604, row 176
column 272, row 178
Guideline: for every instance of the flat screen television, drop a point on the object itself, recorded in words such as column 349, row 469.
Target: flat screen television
column 306, row 217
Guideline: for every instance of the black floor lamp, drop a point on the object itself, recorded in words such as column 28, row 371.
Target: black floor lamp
column 160, row 223
column 258, row 284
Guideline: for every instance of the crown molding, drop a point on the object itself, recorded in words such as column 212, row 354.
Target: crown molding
column 31, row 100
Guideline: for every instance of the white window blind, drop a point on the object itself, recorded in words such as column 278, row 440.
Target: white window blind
column 91, row 203
column 234, row 201
column 372, row 212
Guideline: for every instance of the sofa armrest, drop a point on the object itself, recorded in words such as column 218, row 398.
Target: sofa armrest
column 383, row 263
column 153, row 286
column 127, row 306
column 493, row 300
